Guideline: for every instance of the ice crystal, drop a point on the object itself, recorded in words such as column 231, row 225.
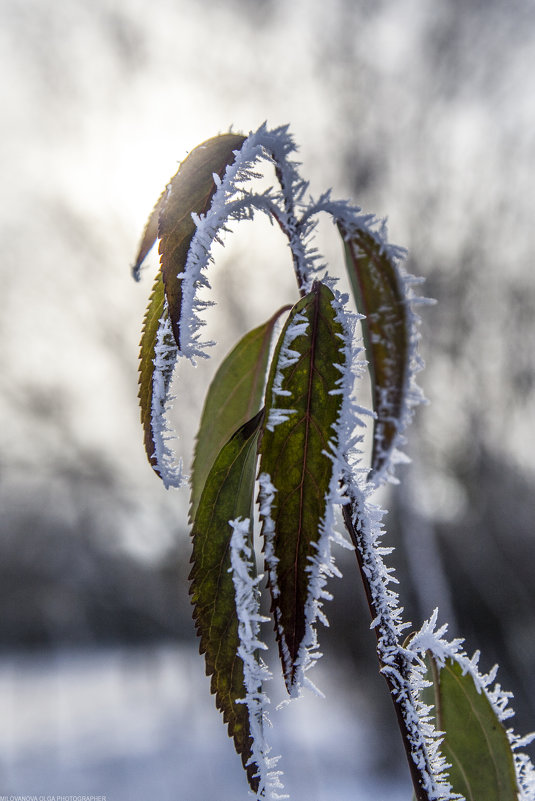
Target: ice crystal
column 286, row 358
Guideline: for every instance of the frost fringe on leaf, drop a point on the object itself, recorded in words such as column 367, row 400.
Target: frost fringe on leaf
column 165, row 356
column 287, row 357
column 266, row 495
column 255, row 671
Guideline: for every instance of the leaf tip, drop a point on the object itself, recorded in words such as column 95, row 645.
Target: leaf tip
column 135, row 270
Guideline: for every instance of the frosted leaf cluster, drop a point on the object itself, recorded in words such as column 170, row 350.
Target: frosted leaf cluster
column 350, row 488
column 232, row 201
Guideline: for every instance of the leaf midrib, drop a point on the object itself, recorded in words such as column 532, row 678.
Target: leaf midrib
column 309, row 420
column 311, row 359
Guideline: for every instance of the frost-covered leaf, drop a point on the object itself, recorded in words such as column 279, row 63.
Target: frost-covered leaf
column 302, row 407
column 475, row 742
column 227, row 495
column 151, row 323
column 380, row 295
column 189, row 192
column 234, row 396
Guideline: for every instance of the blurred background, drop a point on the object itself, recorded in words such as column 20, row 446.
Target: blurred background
column 421, row 112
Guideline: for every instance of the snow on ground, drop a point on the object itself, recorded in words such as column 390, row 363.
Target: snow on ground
column 133, row 724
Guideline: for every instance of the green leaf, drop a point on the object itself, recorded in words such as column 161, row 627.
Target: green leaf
column 235, row 395
column 379, row 294
column 190, row 191
column 294, row 454
column 228, row 494
column 475, row 742
column 155, row 310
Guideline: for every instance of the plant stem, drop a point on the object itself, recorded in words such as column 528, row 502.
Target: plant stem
column 291, row 228
column 395, row 668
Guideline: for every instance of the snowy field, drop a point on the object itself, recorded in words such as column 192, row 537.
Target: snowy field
column 139, row 724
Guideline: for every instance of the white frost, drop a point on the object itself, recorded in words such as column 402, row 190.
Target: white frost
column 286, row 358
column 255, row 671
column 165, row 356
